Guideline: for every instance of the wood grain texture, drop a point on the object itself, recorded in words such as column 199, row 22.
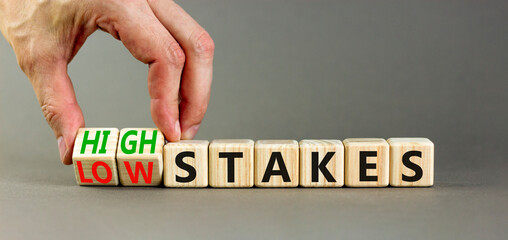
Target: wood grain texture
column 335, row 164
column 199, row 162
column 353, row 147
column 136, row 164
column 289, row 150
column 94, row 159
column 243, row 166
column 401, row 146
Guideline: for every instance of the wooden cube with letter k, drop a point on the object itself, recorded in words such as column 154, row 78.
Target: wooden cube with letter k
column 139, row 156
column 94, row 156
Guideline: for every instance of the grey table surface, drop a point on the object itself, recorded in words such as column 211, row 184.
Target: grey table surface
column 287, row 70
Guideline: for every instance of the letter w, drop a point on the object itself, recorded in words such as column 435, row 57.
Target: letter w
column 139, row 168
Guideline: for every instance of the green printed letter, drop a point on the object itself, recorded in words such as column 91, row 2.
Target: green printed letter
column 144, row 141
column 94, row 142
column 104, row 141
column 132, row 143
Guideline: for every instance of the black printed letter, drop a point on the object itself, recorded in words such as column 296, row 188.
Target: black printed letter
column 316, row 167
column 418, row 170
column 181, row 164
column 364, row 166
column 231, row 163
column 276, row 156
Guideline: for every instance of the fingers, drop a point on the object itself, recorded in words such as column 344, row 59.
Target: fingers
column 148, row 41
column 55, row 93
column 197, row 75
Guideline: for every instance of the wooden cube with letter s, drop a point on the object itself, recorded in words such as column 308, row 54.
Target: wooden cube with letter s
column 186, row 163
column 411, row 162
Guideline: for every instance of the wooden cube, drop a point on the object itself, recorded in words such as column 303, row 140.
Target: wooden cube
column 411, row 162
column 94, row 156
column 277, row 163
column 139, row 156
column 231, row 163
column 321, row 163
column 186, row 164
column 366, row 162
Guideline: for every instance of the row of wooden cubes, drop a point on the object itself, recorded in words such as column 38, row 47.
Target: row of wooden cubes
column 140, row 157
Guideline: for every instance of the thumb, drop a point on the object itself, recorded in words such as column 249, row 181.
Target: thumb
column 56, row 96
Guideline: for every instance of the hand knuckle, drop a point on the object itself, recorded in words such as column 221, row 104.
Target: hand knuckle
column 203, row 44
column 50, row 112
column 176, row 55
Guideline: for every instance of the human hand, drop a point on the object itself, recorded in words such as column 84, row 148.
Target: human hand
column 47, row 34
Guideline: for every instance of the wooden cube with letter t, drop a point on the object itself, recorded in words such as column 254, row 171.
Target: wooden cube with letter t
column 411, row 162
column 231, row 163
column 276, row 163
column 366, row 162
column 139, row 156
column 186, row 163
column 321, row 163
column 94, row 156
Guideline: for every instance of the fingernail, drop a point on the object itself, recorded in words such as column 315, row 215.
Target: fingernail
column 61, row 147
column 177, row 129
column 191, row 132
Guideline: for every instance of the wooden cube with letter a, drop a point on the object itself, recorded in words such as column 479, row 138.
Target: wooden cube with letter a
column 139, row 156
column 321, row 163
column 94, row 156
column 231, row 163
column 186, row 164
column 276, row 163
column 366, row 162
column 411, row 162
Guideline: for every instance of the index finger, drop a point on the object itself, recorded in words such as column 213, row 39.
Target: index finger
column 197, row 74
column 148, row 41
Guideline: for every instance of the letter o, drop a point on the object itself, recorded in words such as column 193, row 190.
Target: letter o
column 108, row 172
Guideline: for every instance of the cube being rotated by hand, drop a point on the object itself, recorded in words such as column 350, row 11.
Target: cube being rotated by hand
column 139, row 156
column 94, row 156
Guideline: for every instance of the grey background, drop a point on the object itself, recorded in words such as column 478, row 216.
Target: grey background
column 287, row 69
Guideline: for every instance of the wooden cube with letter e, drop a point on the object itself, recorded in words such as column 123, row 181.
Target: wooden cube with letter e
column 366, row 162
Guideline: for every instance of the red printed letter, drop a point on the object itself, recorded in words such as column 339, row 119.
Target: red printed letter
column 108, row 172
column 139, row 168
column 82, row 174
